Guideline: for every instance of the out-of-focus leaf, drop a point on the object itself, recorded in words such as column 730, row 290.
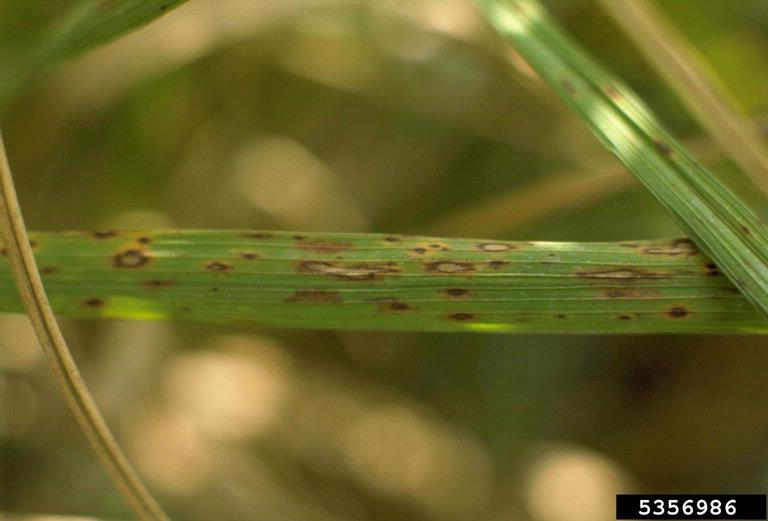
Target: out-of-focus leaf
column 89, row 25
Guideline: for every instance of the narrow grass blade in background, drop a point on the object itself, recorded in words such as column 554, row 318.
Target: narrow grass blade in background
column 89, row 24
column 707, row 211
column 26, row 279
column 545, row 197
column 554, row 194
column 386, row 282
column 667, row 50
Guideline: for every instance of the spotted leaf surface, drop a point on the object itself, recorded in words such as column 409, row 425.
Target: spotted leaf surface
column 386, row 282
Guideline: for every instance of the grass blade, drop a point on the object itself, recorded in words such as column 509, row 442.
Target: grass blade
column 387, row 282
column 88, row 25
column 24, row 273
column 666, row 49
column 545, row 197
column 707, row 211
column 553, row 194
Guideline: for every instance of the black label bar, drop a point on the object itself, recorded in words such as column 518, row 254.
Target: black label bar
column 691, row 506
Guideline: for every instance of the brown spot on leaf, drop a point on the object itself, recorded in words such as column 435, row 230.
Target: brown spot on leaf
column 218, row 265
column 329, row 247
column 144, row 240
column 495, row 246
column 298, row 238
column 663, row 147
column 450, row 267
column 352, row 271
column 624, row 272
column 745, row 230
column 624, row 317
column 49, row 270
column 93, row 302
column 429, row 247
column 387, row 305
column 249, row 255
column 461, row 316
column 130, row 258
column 315, row 296
column 391, row 238
column 560, row 316
column 678, row 312
column 158, row 283
column 674, row 248
column 457, row 293
column 103, row 234
column 497, row 264
column 713, row 270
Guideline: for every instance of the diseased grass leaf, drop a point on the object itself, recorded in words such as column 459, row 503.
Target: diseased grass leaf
column 89, row 25
column 386, row 282
column 707, row 211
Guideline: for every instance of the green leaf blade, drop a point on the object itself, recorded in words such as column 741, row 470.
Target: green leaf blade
column 387, row 283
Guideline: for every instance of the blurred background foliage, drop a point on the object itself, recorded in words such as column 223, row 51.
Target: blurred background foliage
column 403, row 116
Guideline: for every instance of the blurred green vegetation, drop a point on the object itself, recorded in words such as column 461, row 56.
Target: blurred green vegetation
column 380, row 115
